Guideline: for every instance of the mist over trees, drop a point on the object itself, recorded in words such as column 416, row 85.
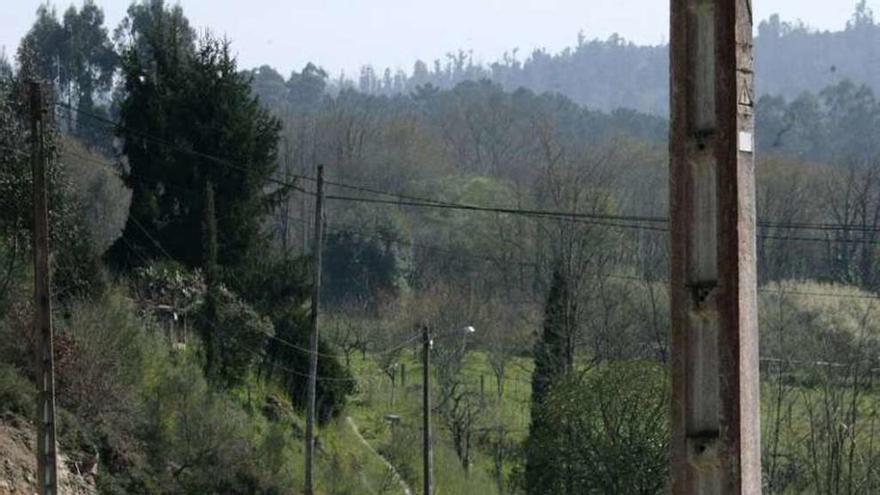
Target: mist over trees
column 75, row 54
column 790, row 58
column 524, row 199
column 490, row 141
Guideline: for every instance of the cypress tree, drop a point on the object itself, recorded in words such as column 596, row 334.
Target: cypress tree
column 553, row 351
column 553, row 355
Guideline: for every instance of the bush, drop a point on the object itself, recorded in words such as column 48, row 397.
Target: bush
column 17, row 328
column 234, row 336
column 159, row 426
column 279, row 289
column 603, row 431
column 100, row 352
column 807, row 322
column 105, row 353
column 17, row 394
column 291, row 365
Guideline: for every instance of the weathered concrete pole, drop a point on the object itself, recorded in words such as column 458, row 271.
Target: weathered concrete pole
column 47, row 446
column 715, row 405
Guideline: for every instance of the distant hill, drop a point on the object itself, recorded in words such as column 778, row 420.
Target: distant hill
column 791, row 58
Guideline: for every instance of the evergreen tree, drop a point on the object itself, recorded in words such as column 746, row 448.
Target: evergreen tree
column 552, row 352
column 6, row 71
column 553, row 361
column 305, row 89
column 188, row 117
column 279, row 288
column 76, row 269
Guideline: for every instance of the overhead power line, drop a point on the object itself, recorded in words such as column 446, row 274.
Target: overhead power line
column 513, row 211
column 460, row 255
column 630, row 221
column 398, row 346
column 639, row 222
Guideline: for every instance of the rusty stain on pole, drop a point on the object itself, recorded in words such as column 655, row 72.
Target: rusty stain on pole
column 715, row 403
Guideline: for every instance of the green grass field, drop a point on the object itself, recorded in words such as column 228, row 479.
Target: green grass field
column 806, row 435
column 401, row 443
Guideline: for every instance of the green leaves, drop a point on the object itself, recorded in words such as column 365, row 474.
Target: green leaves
column 602, row 431
column 234, row 336
column 188, row 117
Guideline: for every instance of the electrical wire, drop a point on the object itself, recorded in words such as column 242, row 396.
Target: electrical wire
column 422, row 202
column 429, row 203
column 457, row 254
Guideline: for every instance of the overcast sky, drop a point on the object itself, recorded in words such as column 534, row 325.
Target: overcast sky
column 345, row 34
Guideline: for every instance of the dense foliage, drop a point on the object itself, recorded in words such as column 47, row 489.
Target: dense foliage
column 554, row 351
column 186, row 94
column 75, row 54
column 196, row 337
column 152, row 359
column 603, row 431
column 613, row 73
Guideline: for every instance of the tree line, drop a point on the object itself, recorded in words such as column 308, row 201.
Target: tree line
column 201, row 175
column 791, row 58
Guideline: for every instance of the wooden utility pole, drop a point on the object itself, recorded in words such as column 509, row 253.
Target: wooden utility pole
column 47, row 457
column 427, row 453
column 715, row 406
column 313, row 343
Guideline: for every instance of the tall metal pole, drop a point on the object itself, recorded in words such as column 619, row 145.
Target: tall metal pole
column 47, row 458
column 715, row 405
column 427, row 454
column 313, row 343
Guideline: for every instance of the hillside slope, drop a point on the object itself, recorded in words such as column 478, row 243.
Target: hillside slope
column 18, row 467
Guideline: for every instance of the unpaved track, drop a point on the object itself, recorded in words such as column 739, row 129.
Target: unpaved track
column 391, row 468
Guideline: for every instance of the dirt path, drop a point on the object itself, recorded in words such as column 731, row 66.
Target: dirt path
column 18, row 465
column 391, row 468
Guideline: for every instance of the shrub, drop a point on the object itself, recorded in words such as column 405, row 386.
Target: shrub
column 100, row 351
column 17, row 394
column 290, row 363
column 807, row 322
column 234, row 336
column 603, row 431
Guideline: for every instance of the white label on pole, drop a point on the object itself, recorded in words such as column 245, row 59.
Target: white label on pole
column 745, row 142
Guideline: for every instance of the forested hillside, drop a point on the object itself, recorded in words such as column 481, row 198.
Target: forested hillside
column 524, row 227
column 791, row 58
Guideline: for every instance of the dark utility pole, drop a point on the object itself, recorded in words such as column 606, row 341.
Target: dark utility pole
column 427, row 454
column 47, row 459
column 313, row 347
column 716, row 448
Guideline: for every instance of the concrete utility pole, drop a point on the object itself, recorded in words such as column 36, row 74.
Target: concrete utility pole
column 47, row 457
column 313, row 347
column 715, row 406
column 427, row 453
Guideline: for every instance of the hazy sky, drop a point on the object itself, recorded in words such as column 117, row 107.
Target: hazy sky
column 345, row 34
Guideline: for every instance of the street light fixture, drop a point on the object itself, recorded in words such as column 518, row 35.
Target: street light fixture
column 427, row 451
